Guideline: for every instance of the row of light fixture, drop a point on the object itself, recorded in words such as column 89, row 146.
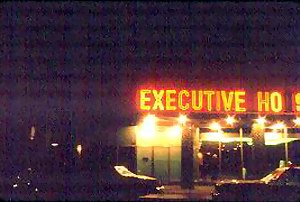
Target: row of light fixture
column 230, row 120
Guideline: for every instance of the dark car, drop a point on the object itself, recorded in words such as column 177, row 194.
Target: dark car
column 283, row 184
column 112, row 183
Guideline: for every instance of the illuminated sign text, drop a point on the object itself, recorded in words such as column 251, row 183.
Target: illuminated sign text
column 214, row 101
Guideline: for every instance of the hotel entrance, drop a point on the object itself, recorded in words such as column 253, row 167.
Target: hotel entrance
column 228, row 149
column 157, row 141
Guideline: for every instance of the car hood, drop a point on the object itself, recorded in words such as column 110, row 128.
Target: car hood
column 144, row 177
column 231, row 182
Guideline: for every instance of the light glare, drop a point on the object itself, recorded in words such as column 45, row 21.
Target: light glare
column 278, row 126
column 297, row 121
column 272, row 136
column 148, row 126
column 175, row 132
column 32, row 133
column 182, row 119
column 230, row 120
column 79, row 149
column 261, row 120
column 215, row 126
column 149, row 119
column 54, row 144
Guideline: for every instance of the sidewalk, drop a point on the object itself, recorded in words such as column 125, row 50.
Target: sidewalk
column 176, row 193
column 208, row 181
column 201, row 192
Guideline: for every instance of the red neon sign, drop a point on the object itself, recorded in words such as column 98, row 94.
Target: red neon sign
column 213, row 101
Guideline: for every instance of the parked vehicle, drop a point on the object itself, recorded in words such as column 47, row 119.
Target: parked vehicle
column 283, row 184
column 112, row 183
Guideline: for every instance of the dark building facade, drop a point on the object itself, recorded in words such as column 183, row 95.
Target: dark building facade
column 72, row 70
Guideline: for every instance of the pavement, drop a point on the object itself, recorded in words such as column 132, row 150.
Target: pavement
column 176, row 193
column 173, row 191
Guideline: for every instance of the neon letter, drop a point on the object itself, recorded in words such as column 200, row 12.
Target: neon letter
column 180, row 103
column 144, row 99
column 239, row 100
column 158, row 100
column 209, row 95
column 261, row 101
column 227, row 103
column 170, row 100
column 194, row 100
column 297, row 101
column 276, row 102
column 218, row 101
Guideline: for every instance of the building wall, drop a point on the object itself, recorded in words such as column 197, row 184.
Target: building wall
column 157, row 154
column 160, row 155
column 161, row 162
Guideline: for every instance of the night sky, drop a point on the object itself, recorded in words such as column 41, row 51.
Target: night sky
column 91, row 57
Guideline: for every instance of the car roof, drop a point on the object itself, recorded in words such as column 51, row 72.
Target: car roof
column 297, row 168
column 291, row 166
column 283, row 169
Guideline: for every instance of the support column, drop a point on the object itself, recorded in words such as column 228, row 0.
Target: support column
column 196, row 145
column 169, row 164
column 152, row 162
column 187, row 178
column 259, row 166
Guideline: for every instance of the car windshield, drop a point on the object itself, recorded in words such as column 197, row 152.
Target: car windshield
column 124, row 171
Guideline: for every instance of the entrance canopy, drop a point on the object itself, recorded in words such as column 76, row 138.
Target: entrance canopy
column 153, row 130
column 271, row 138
